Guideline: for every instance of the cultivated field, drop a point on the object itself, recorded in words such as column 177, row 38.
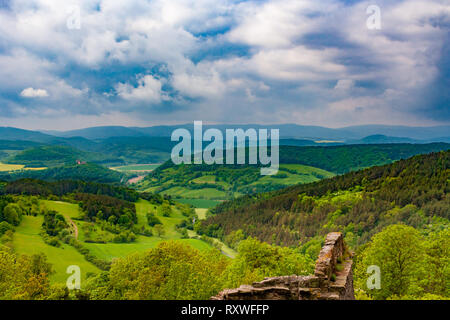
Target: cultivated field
column 15, row 167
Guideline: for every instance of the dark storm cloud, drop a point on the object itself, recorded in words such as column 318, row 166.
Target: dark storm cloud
column 139, row 62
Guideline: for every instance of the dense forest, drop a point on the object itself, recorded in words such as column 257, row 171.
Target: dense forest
column 342, row 159
column 85, row 172
column 413, row 191
column 63, row 187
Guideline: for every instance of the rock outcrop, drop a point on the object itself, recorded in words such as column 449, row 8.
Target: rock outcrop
column 332, row 279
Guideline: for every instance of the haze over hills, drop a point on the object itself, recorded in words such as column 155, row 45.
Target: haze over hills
column 118, row 145
column 425, row 134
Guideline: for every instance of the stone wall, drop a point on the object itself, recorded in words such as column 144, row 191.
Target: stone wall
column 332, row 279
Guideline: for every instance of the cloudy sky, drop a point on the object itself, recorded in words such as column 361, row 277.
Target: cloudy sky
column 73, row 64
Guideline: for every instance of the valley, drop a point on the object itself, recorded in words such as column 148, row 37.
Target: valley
column 27, row 238
column 106, row 207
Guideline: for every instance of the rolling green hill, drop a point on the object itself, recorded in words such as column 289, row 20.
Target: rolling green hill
column 87, row 172
column 135, row 150
column 298, row 165
column 27, row 239
column 218, row 182
column 59, row 224
column 117, row 151
column 51, row 156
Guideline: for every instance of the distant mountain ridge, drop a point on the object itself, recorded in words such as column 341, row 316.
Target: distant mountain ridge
column 287, row 131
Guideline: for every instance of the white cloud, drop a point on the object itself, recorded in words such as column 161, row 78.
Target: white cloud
column 277, row 24
column 297, row 63
column 148, row 90
column 34, row 93
column 302, row 57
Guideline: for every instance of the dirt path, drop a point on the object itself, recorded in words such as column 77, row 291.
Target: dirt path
column 74, row 226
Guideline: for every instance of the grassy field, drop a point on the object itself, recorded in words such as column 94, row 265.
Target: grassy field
column 303, row 174
column 15, row 167
column 108, row 251
column 205, row 179
column 200, row 203
column 201, row 213
column 28, row 241
column 224, row 248
column 71, row 210
column 204, row 193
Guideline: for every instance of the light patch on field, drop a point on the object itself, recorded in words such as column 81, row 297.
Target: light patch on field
column 15, row 167
column 201, row 213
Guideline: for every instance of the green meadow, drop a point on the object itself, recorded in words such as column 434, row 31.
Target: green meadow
column 28, row 241
column 200, row 203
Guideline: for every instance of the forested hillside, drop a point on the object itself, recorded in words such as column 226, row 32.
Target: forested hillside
column 224, row 181
column 298, row 165
column 48, row 156
column 87, row 172
column 342, row 159
column 413, row 191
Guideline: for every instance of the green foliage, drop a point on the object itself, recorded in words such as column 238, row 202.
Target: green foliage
column 159, row 230
column 342, row 159
column 411, row 265
column 171, row 271
column 125, row 237
column 152, row 219
column 165, row 209
column 234, row 238
column 53, row 223
column 257, row 260
column 12, row 214
column 5, row 226
column 174, row 270
column 113, row 210
column 23, row 277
